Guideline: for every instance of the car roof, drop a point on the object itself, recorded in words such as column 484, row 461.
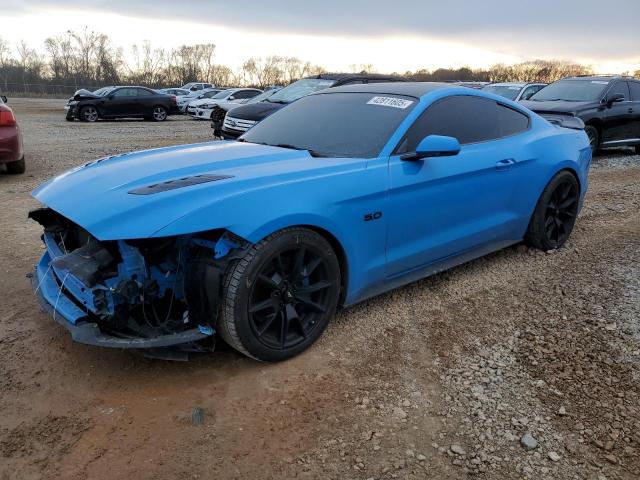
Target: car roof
column 412, row 89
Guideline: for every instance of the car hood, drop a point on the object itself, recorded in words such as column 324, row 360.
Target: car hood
column 555, row 106
column 257, row 111
column 112, row 200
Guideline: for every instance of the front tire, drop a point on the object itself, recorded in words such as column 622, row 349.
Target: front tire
column 89, row 114
column 555, row 214
column 280, row 297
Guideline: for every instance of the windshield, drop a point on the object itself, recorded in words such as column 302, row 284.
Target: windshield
column 300, row 89
column 261, row 97
column 351, row 125
column 507, row 91
column 222, row 94
column 101, row 91
column 572, row 91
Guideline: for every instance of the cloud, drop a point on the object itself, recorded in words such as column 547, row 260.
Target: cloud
column 545, row 28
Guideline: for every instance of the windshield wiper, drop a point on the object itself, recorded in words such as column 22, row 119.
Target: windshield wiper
column 313, row 153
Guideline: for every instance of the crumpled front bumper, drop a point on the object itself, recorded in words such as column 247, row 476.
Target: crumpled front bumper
column 68, row 314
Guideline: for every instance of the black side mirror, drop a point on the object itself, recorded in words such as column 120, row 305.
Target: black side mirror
column 3, row 98
column 615, row 98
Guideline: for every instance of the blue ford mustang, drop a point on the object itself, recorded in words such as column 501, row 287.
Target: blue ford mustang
column 342, row 195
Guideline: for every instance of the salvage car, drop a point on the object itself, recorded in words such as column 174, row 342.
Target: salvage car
column 11, row 149
column 247, row 116
column 231, row 95
column 515, row 91
column 608, row 105
column 121, row 102
column 343, row 195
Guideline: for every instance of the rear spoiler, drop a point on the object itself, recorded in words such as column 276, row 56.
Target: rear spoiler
column 566, row 121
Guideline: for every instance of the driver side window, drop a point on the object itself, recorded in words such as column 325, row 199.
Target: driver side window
column 469, row 119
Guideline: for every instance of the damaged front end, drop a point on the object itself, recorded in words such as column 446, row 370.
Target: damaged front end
column 146, row 294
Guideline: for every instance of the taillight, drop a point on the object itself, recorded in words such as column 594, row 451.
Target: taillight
column 7, row 118
column 174, row 100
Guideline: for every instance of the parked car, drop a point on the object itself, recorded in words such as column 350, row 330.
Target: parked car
column 178, row 92
column 194, row 86
column 219, row 111
column 121, row 102
column 184, row 101
column 515, row 91
column 247, row 116
column 11, row 149
column 343, row 195
column 608, row 105
column 201, row 109
column 474, row 85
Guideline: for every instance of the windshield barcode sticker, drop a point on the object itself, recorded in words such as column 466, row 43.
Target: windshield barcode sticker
column 390, row 102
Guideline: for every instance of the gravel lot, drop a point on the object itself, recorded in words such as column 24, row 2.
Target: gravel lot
column 442, row 379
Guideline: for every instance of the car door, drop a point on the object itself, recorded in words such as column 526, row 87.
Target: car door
column 145, row 101
column 617, row 126
column 445, row 206
column 634, row 109
column 121, row 102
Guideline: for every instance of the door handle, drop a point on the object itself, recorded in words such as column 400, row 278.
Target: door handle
column 631, row 110
column 505, row 164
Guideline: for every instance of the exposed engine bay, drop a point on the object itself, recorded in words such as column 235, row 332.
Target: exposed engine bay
column 143, row 293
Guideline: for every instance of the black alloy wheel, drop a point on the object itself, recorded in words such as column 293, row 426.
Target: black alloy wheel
column 289, row 294
column 281, row 295
column 556, row 212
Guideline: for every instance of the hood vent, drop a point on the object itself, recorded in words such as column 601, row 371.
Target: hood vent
column 179, row 183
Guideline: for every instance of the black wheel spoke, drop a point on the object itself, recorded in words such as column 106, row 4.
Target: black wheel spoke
column 311, row 266
column 263, row 305
column 269, row 281
column 316, row 287
column 268, row 322
column 313, row 306
column 297, row 271
column 279, row 265
column 567, row 203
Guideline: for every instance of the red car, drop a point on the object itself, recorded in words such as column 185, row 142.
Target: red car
column 11, row 152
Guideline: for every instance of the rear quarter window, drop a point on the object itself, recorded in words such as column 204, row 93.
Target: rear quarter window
column 511, row 122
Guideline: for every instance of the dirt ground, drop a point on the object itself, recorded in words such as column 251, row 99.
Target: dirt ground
column 437, row 380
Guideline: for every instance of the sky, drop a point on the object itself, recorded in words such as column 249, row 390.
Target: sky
column 394, row 36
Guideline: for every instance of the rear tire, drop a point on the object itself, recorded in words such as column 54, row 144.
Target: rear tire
column 16, row 167
column 555, row 214
column 280, row 297
column 594, row 137
column 159, row 113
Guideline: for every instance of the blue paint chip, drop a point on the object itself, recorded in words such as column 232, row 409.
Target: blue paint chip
column 206, row 330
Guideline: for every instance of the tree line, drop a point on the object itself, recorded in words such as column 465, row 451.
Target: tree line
column 87, row 59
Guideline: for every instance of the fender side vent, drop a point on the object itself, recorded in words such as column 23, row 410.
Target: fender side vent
column 179, row 183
